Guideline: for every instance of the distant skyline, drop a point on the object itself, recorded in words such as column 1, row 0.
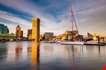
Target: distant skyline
column 55, row 15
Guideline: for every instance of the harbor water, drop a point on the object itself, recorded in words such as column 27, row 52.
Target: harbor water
column 51, row 56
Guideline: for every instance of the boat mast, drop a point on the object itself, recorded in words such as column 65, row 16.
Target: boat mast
column 73, row 21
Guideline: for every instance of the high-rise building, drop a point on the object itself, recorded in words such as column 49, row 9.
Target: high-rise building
column 35, row 29
column 19, row 33
column 29, row 34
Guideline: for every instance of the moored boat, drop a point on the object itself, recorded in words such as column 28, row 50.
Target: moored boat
column 71, row 42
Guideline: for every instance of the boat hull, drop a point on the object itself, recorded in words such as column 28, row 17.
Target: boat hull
column 70, row 43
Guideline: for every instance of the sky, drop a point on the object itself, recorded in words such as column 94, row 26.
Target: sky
column 55, row 15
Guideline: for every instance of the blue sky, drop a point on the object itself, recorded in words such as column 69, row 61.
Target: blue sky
column 55, row 15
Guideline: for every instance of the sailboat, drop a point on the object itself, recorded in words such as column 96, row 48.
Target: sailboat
column 72, row 41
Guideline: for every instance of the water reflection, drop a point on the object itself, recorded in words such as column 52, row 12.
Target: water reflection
column 35, row 55
column 99, row 50
column 3, row 52
column 46, row 56
column 18, row 50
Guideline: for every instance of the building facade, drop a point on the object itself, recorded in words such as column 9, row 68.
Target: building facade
column 29, row 34
column 36, row 29
column 70, row 35
column 3, row 29
column 19, row 33
column 48, row 36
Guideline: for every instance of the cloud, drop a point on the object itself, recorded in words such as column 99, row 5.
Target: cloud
column 55, row 14
column 48, row 21
column 93, row 20
column 12, row 21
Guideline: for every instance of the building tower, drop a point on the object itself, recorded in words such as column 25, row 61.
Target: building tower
column 19, row 33
column 29, row 34
column 35, row 29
